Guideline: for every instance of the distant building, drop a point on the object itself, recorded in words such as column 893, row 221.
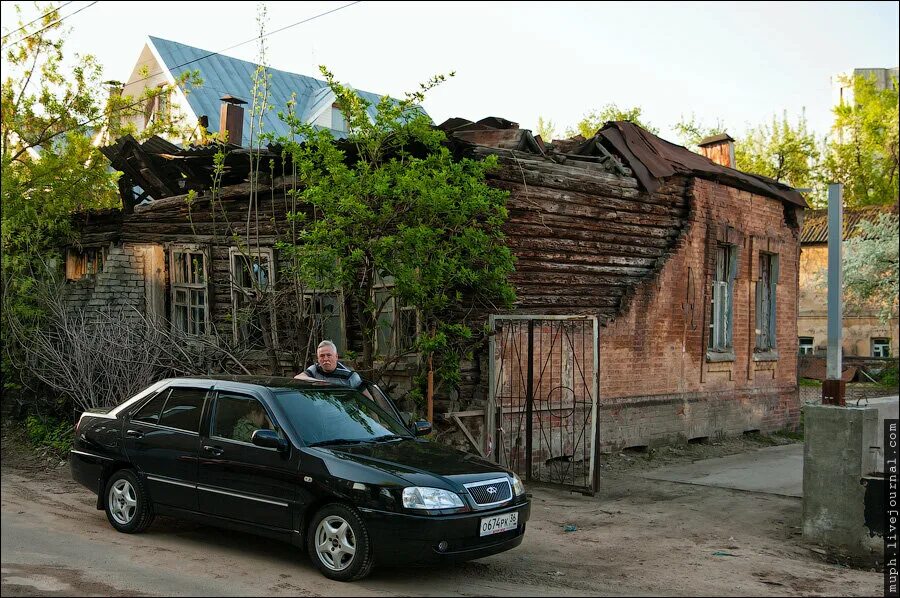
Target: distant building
column 864, row 335
column 842, row 83
column 227, row 84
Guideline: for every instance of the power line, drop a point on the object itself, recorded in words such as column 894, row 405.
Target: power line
column 51, row 11
column 57, row 22
column 141, row 101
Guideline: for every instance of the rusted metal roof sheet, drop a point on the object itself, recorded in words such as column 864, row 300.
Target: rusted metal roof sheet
column 815, row 222
column 653, row 159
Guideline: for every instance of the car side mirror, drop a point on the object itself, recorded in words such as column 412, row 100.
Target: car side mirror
column 421, row 427
column 269, row 439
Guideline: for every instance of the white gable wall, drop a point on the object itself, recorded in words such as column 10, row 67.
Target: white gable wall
column 149, row 72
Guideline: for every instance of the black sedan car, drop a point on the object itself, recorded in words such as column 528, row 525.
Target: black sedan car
column 324, row 467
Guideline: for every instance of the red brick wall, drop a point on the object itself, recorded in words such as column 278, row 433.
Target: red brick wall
column 655, row 380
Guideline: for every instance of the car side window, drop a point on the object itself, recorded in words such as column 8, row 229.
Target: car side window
column 149, row 413
column 237, row 417
column 183, row 409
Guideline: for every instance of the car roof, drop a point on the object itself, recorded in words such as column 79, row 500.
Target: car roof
column 273, row 382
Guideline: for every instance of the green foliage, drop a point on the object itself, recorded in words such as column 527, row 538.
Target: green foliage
column 49, row 167
column 810, row 382
column 863, row 150
column 889, row 377
column 546, row 129
column 50, row 433
column 871, row 265
column 392, row 205
column 692, row 131
column 593, row 121
column 782, row 151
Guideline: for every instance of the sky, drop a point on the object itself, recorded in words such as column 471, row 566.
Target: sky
column 740, row 63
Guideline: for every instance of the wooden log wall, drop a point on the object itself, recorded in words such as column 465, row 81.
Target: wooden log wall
column 583, row 238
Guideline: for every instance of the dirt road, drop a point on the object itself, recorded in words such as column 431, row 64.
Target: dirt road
column 638, row 537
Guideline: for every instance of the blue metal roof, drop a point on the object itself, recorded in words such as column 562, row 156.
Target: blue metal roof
column 225, row 75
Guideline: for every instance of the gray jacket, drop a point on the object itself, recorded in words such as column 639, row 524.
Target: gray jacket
column 341, row 375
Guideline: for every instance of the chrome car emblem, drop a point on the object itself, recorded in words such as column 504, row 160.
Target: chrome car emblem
column 491, row 490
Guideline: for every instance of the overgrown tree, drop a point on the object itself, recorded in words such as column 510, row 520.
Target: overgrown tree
column 863, row 149
column 593, row 121
column 871, row 265
column 546, row 129
column 49, row 167
column 692, row 131
column 392, row 208
column 781, row 150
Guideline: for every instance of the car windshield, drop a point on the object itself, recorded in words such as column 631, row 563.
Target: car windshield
column 332, row 416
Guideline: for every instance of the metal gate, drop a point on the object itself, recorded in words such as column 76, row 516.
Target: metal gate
column 542, row 403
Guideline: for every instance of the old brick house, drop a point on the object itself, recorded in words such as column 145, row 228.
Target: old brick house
column 657, row 290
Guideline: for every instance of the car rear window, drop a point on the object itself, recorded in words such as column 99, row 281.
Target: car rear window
column 183, row 408
column 149, row 413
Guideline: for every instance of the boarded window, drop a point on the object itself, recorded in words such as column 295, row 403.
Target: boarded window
column 251, row 292
column 806, row 345
column 190, row 296
column 722, row 303
column 766, row 301
column 881, row 347
column 84, row 262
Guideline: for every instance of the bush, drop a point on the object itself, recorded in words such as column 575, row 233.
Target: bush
column 889, row 376
column 50, row 433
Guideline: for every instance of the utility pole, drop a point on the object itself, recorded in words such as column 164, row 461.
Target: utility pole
column 834, row 387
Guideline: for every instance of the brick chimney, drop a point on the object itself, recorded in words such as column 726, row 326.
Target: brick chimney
column 719, row 149
column 231, row 119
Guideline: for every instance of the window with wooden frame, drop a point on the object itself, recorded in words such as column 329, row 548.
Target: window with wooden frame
column 398, row 324
column 157, row 107
column 87, row 261
column 190, row 295
column 325, row 315
column 338, row 122
column 722, row 300
column 881, row 347
column 766, row 286
column 252, row 277
column 805, row 344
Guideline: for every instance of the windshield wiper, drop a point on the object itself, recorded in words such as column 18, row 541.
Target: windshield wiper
column 334, row 441
column 387, row 437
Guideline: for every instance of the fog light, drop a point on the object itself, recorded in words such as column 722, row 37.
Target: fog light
column 443, row 546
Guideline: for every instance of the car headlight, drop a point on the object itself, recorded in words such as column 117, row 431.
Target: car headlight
column 518, row 486
column 430, row 498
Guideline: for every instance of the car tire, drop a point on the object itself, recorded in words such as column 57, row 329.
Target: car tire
column 335, row 531
column 126, row 502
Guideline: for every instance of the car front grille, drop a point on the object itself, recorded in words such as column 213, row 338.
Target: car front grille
column 490, row 492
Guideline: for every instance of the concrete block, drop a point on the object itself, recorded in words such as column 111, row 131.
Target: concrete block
column 835, row 458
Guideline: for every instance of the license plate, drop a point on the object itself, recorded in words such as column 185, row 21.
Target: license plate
column 499, row 523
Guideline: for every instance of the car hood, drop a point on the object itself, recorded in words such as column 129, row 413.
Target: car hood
column 420, row 463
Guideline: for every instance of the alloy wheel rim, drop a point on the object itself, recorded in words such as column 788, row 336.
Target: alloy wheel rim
column 122, row 502
column 335, row 543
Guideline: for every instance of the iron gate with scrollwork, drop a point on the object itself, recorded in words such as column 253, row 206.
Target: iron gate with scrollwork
column 542, row 403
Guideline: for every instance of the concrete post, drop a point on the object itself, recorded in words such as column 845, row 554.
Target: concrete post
column 834, row 387
column 836, row 456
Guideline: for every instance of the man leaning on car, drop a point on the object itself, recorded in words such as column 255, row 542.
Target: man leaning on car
column 327, row 368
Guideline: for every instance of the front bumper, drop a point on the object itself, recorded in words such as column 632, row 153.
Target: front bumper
column 399, row 538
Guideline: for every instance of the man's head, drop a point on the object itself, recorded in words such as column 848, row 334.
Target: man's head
column 327, row 356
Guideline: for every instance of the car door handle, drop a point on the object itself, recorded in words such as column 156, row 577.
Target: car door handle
column 213, row 449
column 134, row 433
